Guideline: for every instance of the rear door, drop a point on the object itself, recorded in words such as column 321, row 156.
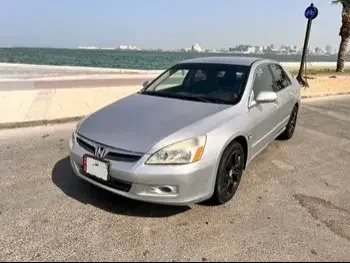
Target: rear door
column 284, row 90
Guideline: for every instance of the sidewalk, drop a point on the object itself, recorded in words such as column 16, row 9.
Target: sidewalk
column 31, row 107
column 326, row 85
column 40, row 106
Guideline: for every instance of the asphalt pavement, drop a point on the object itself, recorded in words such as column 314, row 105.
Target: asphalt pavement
column 292, row 205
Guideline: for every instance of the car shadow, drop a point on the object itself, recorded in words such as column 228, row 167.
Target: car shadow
column 73, row 186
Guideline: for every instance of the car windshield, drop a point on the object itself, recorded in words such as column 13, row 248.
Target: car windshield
column 211, row 83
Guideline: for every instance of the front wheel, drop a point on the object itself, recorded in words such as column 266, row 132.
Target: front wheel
column 290, row 128
column 229, row 173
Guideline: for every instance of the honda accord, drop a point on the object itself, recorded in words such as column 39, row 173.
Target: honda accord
column 189, row 134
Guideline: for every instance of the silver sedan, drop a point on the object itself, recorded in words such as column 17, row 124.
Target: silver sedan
column 188, row 135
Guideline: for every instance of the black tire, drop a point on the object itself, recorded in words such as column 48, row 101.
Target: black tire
column 290, row 128
column 229, row 173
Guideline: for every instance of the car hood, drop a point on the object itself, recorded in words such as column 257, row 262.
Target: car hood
column 139, row 121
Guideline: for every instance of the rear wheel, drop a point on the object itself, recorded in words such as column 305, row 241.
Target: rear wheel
column 229, row 173
column 290, row 128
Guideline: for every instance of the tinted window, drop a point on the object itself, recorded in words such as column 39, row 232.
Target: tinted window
column 217, row 83
column 263, row 80
column 282, row 80
column 200, row 75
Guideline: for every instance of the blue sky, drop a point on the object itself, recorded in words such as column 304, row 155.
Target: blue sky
column 164, row 23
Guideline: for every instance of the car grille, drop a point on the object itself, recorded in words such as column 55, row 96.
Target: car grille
column 112, row 155
column 112, row 182
column 86, row 146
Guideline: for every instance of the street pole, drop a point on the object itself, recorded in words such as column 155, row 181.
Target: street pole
column 310, row 13
column 300, row 76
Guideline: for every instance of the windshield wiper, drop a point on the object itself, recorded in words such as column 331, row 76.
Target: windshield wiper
column 201, row 98
column 189, row 96
column 178, row 96
column 156, row 93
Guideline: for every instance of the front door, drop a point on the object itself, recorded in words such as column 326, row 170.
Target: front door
column 264, row 117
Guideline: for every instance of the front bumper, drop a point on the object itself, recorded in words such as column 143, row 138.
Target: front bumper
column 189, row 184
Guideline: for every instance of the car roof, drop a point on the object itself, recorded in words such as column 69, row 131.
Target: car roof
column 228, row 60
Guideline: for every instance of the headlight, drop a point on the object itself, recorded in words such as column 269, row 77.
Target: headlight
column 78, row 124
column 74, row 134
column 72, row 140
column 184, row 152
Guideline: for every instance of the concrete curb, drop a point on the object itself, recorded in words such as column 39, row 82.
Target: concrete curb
column 325, row 95
column 26, row 124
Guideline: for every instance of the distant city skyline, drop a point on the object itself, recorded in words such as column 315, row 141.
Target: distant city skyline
column 136, row 48
column 165, row 24
column 284, row 49
column 238, row 49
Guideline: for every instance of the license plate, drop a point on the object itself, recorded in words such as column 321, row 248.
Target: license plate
column 96, row 168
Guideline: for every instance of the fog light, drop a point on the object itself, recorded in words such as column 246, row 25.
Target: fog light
column 166, row 189
column 163, row 189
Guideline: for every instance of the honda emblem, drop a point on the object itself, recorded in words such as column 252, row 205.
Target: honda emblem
column 100, row 152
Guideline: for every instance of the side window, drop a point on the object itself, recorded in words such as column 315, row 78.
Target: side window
column 263, row 80
column 282, row 80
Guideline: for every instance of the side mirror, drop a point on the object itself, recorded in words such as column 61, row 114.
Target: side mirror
column 266, row 97
column 145, row 83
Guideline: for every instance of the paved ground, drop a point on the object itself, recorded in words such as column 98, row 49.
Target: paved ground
column 293, row 203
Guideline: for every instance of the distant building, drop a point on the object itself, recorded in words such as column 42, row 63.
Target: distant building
column 244, row 49
column 329, row 50
column 186, row 49
column 260, row 49
column 88, row 48
column 273, row 48
column 311, row 50
column 250, row 50
column 196, row 48
column 125, row 47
